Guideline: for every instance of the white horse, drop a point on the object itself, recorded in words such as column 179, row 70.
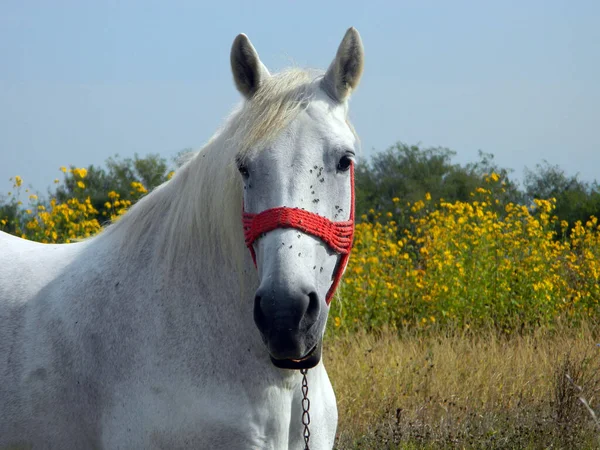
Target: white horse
column 146, row 336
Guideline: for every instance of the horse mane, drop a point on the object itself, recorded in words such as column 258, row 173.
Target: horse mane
column 196, row 216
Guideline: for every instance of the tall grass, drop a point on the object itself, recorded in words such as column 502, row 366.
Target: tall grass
column 465, row 390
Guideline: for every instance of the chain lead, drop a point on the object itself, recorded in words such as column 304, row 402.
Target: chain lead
column 305, row 408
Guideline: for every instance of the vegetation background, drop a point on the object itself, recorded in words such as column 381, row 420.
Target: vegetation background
column 467, row 317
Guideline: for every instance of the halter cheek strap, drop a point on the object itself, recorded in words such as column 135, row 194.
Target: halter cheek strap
column 337, row 235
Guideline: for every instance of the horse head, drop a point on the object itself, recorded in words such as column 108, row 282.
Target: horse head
column 298, row 192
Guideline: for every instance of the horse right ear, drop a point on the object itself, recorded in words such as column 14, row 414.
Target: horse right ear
column 248, row 71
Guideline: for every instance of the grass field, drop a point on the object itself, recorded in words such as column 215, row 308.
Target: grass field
column 409, row 391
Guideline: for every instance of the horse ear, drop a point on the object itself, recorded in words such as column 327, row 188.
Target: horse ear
column 346, row 69
column 248, row 71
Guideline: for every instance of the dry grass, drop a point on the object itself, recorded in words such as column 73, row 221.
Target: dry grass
column 466, row 391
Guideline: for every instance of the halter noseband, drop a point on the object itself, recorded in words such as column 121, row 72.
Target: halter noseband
column 337, row 235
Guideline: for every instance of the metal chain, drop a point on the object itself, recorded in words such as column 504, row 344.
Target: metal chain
column 305, row 408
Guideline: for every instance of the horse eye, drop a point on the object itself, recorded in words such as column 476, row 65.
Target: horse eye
column 344, row 163
column 244, row 171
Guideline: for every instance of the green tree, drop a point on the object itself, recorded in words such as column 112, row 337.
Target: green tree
column 119, row 174
column 575, row 199
column 9, row 214
column 410, row 172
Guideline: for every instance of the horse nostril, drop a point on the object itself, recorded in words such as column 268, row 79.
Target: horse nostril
column 314, row 307
column 289, row 310
column 259, row 316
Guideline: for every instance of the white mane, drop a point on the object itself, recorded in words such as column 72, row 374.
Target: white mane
column 197, row 214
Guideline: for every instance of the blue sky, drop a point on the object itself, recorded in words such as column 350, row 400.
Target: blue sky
column 82, row 80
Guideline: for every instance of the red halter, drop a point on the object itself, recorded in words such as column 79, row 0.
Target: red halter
column 338, row 235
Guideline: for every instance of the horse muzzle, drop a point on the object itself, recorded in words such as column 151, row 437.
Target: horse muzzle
column 291, row 325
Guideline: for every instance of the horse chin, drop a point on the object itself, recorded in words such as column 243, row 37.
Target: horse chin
column 309, row 361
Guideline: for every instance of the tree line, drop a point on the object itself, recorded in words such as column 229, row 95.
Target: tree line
column 409, row 172
column 389, row 181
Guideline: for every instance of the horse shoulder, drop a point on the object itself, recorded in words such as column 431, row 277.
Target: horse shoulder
column 31, row 335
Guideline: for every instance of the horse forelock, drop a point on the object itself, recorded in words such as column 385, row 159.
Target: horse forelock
column 279, row 100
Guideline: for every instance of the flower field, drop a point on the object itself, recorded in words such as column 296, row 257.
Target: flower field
column 471, row 264
column 63, row 222
column 464, row 264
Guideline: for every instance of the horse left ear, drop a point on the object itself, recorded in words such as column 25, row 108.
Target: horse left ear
column 248, row 71
column 346, row 69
